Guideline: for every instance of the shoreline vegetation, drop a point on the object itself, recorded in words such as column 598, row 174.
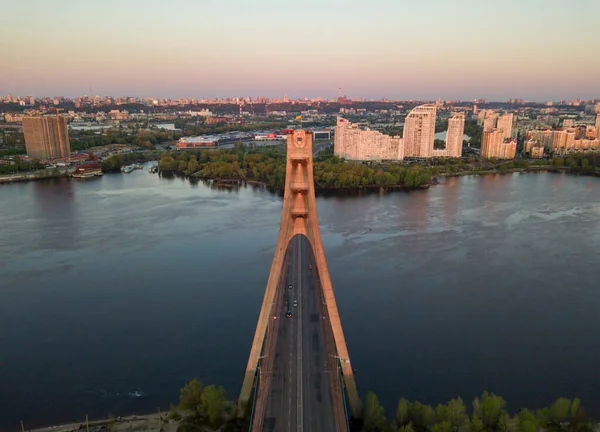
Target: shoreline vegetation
column 266, row 166
column 206, row 408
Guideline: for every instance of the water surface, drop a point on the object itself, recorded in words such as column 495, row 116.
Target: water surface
column 115, row 292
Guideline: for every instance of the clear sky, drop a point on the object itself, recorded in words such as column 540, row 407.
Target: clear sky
column 418, row 49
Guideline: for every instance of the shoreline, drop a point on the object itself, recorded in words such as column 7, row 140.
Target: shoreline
column 140, row 422
column 231, row 183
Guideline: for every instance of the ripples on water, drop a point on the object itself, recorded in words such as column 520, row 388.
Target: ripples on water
column 117, row 291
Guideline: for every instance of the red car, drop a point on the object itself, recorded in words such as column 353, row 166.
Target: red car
column 310, row 266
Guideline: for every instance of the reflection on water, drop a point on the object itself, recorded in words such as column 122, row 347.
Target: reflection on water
column 134, row 284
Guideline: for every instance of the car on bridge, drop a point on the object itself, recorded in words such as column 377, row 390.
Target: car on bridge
column 295, row 303
column 289, row 286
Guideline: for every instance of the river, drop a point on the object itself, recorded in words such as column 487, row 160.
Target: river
column 114, row 292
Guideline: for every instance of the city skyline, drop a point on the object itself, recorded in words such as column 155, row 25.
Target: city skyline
column 188, row 49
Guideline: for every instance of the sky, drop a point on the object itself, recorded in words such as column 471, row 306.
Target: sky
column 398, row 49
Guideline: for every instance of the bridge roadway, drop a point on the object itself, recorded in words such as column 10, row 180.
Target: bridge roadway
column 303, row 393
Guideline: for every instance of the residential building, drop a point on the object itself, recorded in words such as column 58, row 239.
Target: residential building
column 46, row 137
column 419, row 131
column 559, row 141
column 352, row 142
column 598, row 126
column 537, row 151
column 508, row 149
column 568, row 123
column 454, row 136
column 489, row 122
column 505, row 124
column 490, row 147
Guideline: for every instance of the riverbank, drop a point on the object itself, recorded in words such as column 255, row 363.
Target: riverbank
column 31, row 177
column 141, row 423
column 538, row 168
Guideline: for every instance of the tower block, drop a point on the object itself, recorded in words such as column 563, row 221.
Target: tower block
column 299, row 216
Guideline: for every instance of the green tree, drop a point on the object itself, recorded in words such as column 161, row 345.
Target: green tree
column 407, row 428
column 174, row 413
column 444, row 426
column 575, row 405
column 559, row 411
column 489, row 408
column 374, row 414
column 402, row 412
column 422, row 416
column 190, row 397
column 192, row 165
column 214, row 401
column 457, row 412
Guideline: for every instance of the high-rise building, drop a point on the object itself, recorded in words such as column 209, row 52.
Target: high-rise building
column 419, row 131
column 508, row 148
column 490, row 147
column 489, row 121
column 454, row 136
column 351, row 142
column 505, row 124
column 46, row 137
column 559, row 141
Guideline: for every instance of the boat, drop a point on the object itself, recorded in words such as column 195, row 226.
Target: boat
column 127, row 168
column 87, row 171
column 153, row 169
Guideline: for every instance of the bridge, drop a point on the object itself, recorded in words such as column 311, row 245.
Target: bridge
column 299, row 376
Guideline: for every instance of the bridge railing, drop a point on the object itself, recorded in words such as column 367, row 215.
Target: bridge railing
column 333, row 363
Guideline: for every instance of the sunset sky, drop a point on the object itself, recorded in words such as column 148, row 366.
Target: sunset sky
column 419, row 49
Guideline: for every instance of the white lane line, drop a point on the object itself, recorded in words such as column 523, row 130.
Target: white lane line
column 299, row 414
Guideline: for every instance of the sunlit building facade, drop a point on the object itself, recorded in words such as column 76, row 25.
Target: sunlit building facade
column 419, row 131
column 505, row 125
column 354, row 143
column 454, row 136
column 46, row 137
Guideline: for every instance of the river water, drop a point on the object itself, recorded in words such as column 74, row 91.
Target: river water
column 114, row 292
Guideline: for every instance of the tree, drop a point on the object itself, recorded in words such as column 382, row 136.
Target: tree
column 574, row 408
column 457, row 412
column 402, row 412
column 407, row 428
column 374, row 414
column 444, row 426
column 192, row 165
column 213, row 399
column 174, row 413
column 560, row 410
column 190, row 397
column 489, row 408
column 422, row 416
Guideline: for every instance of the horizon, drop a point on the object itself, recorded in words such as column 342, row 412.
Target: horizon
column 401, row 50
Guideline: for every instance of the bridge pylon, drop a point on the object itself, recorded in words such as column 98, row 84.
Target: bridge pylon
column 299, row 216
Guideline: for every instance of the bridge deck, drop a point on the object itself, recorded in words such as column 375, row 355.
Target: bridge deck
column 300, row 388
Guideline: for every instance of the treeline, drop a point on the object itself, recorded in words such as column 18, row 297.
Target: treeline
column 585, row 163
column 201, row 406
column 268, row 167
column 20, row 166
column 488, row 414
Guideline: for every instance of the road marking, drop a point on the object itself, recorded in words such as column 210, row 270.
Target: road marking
column 299, row 414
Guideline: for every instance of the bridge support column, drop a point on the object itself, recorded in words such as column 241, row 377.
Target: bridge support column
column 299, row 216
